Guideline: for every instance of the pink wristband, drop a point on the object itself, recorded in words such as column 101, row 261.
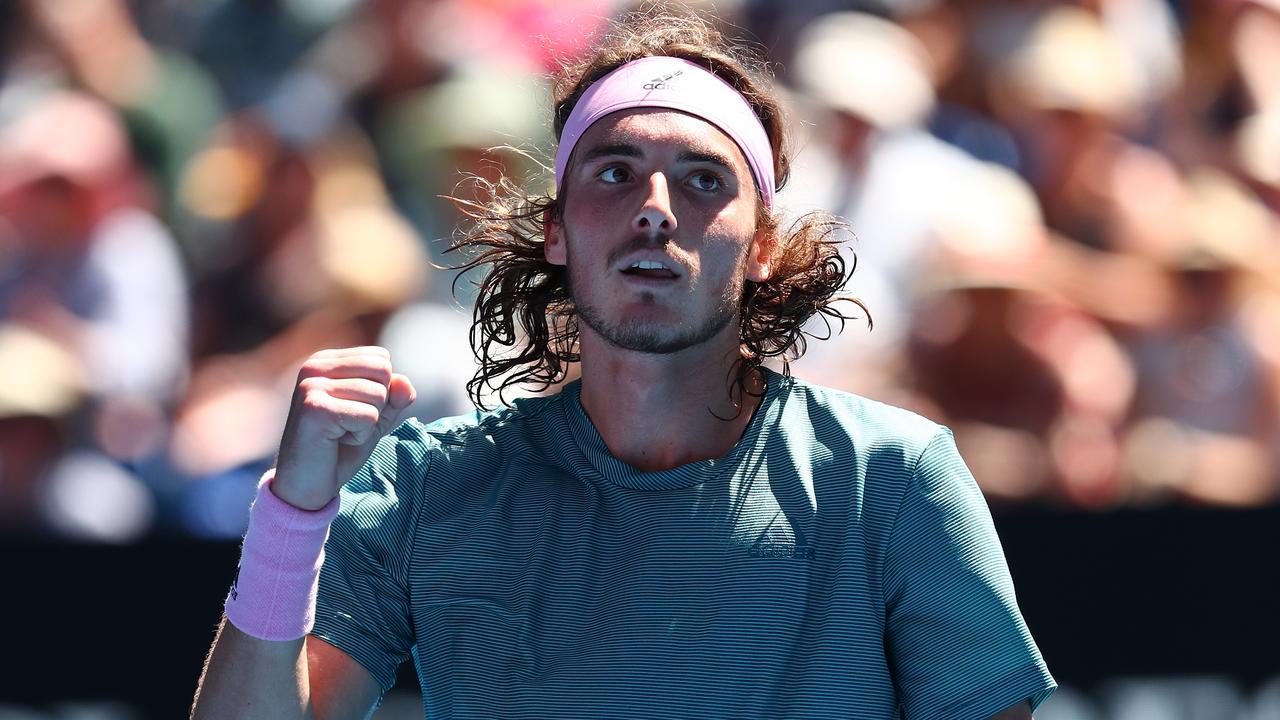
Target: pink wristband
column 274, row 594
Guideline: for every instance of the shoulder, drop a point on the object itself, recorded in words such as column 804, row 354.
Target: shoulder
column 880, row 448
column 863, row 457
column 869, row 426
column 464, row 456
column 868, row 452
column 450, row 460
column 480, row 433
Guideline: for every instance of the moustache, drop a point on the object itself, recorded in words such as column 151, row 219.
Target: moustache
column 643, row 242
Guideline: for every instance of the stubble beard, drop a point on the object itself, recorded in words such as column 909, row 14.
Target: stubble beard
column 658, row 338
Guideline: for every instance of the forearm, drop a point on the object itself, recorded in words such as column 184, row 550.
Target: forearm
column 245, row 677
column 263, row 663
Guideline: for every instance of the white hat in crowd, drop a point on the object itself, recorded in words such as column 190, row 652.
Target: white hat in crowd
column 866, row 66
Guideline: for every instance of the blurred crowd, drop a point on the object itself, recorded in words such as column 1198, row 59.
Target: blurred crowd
column 1067, row 220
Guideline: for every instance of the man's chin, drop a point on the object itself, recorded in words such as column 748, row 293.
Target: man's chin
column 653, row 329
column 656, row 338
column 645, row 338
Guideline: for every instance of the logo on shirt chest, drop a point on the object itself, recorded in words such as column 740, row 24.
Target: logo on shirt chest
column 778, row 537
column 775, row 518
column 782, row 550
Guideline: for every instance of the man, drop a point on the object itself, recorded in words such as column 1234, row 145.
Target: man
column 681, row 533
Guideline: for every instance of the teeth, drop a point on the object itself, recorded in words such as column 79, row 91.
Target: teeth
column 648, row 265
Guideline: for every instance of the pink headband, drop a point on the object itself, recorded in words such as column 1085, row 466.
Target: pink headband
column 667, row 82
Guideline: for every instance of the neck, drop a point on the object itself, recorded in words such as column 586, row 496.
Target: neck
column 657, row 412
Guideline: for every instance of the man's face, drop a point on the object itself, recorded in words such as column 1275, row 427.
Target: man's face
column 659, row 231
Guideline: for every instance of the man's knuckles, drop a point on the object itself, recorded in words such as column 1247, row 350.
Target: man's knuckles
column 327, row 416
column 352, row 351
column 360, row 390
column 313, row 390
column 356, row 417
column 370, row 367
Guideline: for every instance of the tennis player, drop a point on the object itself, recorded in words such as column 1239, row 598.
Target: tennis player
column 681, row 533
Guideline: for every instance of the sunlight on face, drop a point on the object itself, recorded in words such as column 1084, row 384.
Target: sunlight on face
column 658, row 231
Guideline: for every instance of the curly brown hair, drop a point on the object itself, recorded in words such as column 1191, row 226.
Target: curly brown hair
column 525, row 324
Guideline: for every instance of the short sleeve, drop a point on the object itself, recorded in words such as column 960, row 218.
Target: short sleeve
column 362, row 607
column 957, row 643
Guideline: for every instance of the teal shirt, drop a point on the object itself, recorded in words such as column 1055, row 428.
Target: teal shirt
column 840, row 562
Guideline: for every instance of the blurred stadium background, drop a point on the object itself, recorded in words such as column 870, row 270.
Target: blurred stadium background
column 1068, row 233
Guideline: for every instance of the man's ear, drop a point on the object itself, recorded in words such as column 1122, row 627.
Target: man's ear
column 760, row 255
column 552, row 239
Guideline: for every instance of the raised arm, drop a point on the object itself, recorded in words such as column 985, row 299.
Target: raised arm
column 245, row 677
column 344, row 402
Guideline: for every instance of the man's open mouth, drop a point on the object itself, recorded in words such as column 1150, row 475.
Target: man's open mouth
column 649, row 269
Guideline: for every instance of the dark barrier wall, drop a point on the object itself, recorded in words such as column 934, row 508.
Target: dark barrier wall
column 1172, row 592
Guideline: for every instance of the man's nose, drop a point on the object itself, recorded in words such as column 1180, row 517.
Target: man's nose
column 655, row 215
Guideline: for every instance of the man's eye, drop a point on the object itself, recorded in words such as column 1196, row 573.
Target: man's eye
column 705, row 181
column 613, row 174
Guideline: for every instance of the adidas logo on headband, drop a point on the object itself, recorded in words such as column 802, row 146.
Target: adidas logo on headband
column 662, row 83
column 698, row 92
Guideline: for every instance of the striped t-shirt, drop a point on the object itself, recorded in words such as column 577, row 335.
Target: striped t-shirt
column 840, row 562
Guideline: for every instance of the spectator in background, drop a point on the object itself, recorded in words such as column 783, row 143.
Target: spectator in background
column 472, row 125
column 168, row 101
column 1232, row 72
column 963, row 116
column 329, row 263
column 456, row 139
column 1069, row 91
column 41, row 385
column 1034, row 388
column 1207, row 389
column 870, row 161
column 92, row 270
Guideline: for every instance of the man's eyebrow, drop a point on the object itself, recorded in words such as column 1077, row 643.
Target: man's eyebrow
column 704, row 156
column 615, row 149
column 633, row 151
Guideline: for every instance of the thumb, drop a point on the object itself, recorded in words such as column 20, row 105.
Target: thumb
column 400, row 395
column 400, row 392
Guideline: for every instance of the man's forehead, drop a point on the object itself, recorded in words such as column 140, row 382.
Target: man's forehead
column 639, row 132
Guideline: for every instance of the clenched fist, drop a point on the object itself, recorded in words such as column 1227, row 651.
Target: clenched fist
column 344, row 402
